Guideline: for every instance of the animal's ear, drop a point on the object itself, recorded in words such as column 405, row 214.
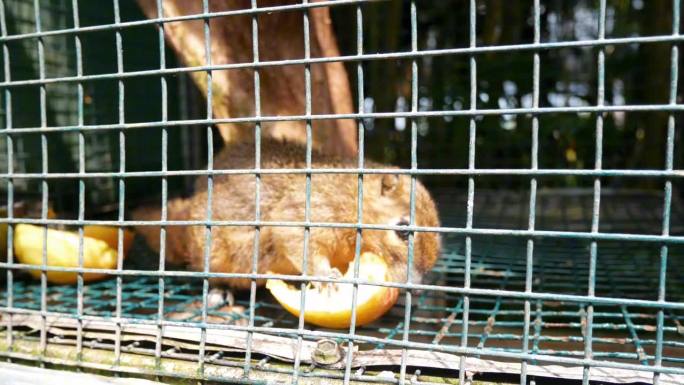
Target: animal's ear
column 389, row 183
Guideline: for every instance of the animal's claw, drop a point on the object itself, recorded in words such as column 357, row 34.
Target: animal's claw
column 335, row 273
column 329, row 287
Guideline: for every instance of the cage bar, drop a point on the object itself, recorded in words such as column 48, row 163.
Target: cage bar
column 598, row 160
column 10, row 169
column 164, row 187
column 210, row 187
column 472, row 134
column 257, row 182
column 81, row 184
column 534, row 165
column 667, row 198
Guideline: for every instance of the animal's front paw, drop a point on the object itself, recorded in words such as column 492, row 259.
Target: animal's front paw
column 219, row 297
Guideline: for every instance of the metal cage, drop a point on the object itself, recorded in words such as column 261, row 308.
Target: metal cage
column 550, row 270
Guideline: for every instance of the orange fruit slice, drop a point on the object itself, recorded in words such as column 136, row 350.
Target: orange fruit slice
column 62, row 251
column 332, row 309
column 110, row 235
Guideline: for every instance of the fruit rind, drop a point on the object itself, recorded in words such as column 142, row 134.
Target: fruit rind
column 335, row 311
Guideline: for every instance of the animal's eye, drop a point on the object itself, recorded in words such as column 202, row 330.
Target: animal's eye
column 402, row 234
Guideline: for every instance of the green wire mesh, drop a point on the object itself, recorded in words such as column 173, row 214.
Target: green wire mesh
column 622, row 333
column 570, row 285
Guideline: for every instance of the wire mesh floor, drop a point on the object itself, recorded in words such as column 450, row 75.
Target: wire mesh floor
column 621, row 333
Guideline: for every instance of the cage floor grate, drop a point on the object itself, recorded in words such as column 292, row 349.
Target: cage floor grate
column 622, row 333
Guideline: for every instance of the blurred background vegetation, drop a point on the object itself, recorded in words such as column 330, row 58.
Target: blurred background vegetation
column 635, row 74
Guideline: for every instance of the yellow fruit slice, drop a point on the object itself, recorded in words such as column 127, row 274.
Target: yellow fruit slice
column 333, row 309
column 62, row 251
column 110, row 235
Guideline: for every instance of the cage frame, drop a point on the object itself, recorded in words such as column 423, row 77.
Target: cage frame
column 667, row 175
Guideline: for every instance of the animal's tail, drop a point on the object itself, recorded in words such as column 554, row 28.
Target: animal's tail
column 177, row 209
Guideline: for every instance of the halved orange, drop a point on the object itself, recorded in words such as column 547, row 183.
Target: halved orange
column 62, row 251
column 333, row 309
column 110, row 234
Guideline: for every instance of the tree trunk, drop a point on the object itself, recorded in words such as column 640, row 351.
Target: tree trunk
column 282, row 88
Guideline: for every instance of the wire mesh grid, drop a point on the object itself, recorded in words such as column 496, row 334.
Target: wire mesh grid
column 520, row 281
column 625, row 332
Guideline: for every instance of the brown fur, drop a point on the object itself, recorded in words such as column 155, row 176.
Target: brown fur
column 333, row 199
column 281, row 37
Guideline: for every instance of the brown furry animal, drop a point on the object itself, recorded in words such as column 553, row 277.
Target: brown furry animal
column 333, row 199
